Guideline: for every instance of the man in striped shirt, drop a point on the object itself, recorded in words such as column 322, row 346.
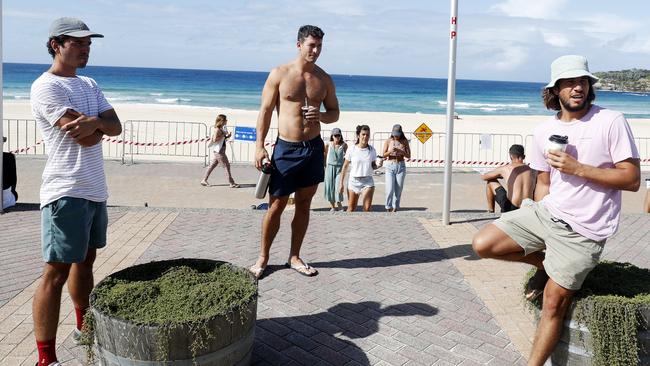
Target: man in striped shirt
column 73, row 116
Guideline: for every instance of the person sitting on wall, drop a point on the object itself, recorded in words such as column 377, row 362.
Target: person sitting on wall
column 519, row 180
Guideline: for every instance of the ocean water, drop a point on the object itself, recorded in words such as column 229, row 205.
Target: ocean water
column 242, row 90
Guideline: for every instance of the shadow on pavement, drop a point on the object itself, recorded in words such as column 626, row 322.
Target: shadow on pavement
column 402, row 258
column 23, row 207
column 373, row 208
column 321, row 336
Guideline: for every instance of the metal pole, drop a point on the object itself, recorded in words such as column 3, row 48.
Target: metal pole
column 1, row 117
column 451, row 97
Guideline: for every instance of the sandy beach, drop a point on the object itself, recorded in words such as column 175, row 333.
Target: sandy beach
column 378, row 121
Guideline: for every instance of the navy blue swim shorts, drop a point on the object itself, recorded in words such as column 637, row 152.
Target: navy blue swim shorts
column 296, row 165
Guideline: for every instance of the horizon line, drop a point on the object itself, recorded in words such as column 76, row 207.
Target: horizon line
column 266, row 72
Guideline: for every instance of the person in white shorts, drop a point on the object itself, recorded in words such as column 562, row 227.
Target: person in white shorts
column 361, row 160
column 579, row 198
column 73, row 116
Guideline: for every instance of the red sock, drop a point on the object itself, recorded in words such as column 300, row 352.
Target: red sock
column 46, row 352
column 80, row 317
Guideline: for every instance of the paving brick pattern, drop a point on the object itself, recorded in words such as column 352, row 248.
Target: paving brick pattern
column 392, row 290
column 20, row 247
column 386, row 293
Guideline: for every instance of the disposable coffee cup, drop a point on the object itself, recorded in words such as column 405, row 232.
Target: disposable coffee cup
column 647, row 183
column 556, row 142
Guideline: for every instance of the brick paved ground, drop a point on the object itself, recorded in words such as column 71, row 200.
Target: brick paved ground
column 392, row 290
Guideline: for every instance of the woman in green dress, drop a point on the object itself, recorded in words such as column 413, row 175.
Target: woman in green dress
column 334, row 153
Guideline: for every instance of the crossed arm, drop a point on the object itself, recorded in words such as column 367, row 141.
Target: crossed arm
column 88, row 131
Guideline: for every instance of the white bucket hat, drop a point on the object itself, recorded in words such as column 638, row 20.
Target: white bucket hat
column 569, row 66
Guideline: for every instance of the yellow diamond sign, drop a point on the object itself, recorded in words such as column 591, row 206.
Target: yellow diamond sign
column 423, row 133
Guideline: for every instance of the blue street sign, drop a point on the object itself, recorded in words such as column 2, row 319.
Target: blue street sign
column 245, row 134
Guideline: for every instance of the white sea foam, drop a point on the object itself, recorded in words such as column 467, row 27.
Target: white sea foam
column 156, row 94
column 122, row 99
column 167, row 100
column 15, row 96
column 487, row 106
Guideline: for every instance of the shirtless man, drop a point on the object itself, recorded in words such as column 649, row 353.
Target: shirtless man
column 518, row 177
column 298, row 153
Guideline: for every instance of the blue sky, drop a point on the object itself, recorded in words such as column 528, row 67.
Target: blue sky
column 498, row 39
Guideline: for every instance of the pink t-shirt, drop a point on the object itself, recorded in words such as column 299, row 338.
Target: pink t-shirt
column 601, row 138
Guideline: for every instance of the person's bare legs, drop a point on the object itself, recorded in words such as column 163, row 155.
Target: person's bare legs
column 47, row 300
column 489, row 195
column 80, row 280
column 646, row 204
column 213, row 164
column 270, row 227
column 492, row 242
column 555, row 305
column 300, row 222
column 353, row 198
column 367, row 198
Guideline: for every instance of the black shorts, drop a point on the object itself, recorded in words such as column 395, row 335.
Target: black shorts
column 501, row 198
column 296, row 165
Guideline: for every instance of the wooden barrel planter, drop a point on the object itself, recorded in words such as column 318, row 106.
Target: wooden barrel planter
column 608, row 322
column 217, row 340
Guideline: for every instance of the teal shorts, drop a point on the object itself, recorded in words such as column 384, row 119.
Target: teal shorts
column 70, row 226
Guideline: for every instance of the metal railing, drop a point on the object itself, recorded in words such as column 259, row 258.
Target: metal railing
column 160, row 139
column 22, row 136
column 165, row 138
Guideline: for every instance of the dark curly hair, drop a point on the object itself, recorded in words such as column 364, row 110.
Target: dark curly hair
column 309, row 30
column 59, row 40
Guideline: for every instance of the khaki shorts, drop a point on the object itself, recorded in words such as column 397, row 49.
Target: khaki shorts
column 569, row 255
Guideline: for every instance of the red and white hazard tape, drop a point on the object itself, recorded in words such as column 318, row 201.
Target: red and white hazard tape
column 155, row 144
column 196, row 141
column 457, row 162
column 26, row 149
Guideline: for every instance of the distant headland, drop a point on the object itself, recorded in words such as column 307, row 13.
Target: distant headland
column 634, row 80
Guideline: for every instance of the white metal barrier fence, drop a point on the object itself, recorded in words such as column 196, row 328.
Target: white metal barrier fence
column 24, row 137
column 160, row 139
column 165, row 138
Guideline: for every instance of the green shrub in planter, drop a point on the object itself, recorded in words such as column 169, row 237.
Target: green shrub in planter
column 184, row 310
column 607, row 324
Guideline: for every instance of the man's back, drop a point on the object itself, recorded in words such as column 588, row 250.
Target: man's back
column 519, row 182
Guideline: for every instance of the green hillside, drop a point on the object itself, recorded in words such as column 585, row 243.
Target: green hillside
column 634, row 80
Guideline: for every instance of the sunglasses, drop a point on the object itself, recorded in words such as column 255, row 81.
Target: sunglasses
column 336, row 135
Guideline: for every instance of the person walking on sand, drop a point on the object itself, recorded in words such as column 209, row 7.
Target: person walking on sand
column 519, row 180
column 296, row 91
column 396, row 149
column 218, row 146
column 73, row 115
column 360, row 158
column 334, row 156
column 579, row 194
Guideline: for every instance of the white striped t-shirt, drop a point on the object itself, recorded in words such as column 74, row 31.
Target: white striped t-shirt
column 71, row 169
